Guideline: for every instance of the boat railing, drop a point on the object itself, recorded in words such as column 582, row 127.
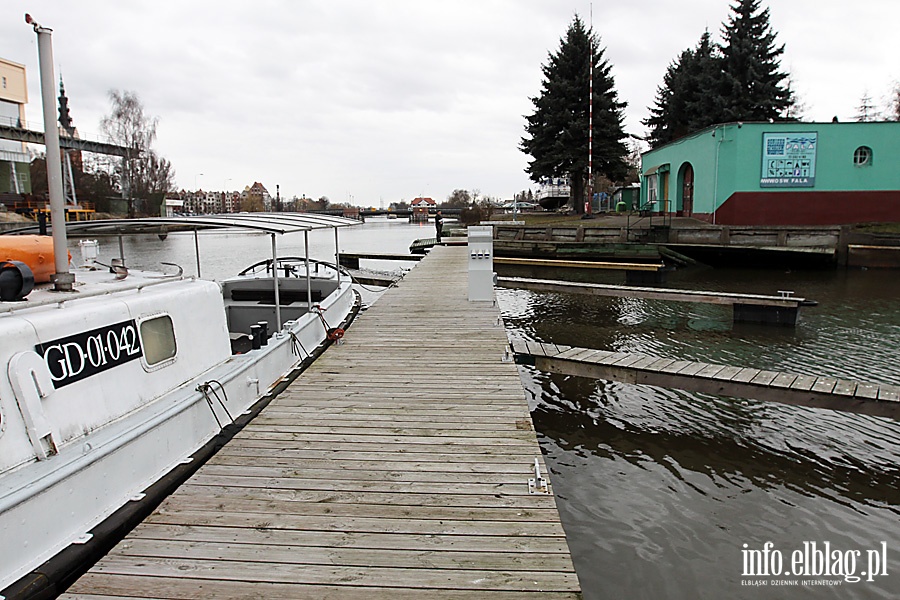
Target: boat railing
column 136, row 286
column 553, row 191
column 291, row 266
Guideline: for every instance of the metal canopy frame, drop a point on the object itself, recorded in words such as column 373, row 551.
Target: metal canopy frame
column 269, row 223
column 280, row 223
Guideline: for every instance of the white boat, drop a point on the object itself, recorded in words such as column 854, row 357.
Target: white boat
column 553, row 192
column 113, row 393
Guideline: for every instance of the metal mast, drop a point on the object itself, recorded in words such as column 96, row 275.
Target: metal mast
column 590, row 184
column 589, row 207
column 63, row 280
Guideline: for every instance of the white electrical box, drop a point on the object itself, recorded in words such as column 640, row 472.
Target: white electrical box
column 481, row 263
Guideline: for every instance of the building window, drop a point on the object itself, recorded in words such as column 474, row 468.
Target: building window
column 4, row 83
column 652, row 188
column 862, row 156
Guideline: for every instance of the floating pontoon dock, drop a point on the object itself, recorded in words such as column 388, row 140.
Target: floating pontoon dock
column 747, row 308
column 725, row 380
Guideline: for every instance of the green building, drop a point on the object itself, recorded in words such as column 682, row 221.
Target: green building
column 778, row 174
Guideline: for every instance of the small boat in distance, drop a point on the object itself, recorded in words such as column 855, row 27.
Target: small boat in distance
column 108, row 390
column 553, row 192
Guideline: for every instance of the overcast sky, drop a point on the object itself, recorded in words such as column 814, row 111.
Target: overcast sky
column 381, row 101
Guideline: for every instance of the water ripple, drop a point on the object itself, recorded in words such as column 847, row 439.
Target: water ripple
column 669, row 484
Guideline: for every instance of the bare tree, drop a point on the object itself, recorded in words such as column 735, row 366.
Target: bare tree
column 794, row 112
column 866, row 110
column 458, row 199
column 893, row 108
column 144, row 175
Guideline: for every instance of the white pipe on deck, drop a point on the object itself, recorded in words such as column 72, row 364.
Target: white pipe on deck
column 275, row 282
column 63, row 280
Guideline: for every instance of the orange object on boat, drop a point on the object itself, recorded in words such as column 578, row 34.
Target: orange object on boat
column 36, row 251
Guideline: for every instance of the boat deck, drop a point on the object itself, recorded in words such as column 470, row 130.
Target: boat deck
column 397, row 465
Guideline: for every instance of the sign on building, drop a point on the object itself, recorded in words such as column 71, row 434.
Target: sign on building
column 788, row 160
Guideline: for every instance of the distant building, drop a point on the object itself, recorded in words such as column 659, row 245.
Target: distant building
column 14, row 159
column 258, row 191
column 171, row 206
column 231, row 202
column 207, row 203
column 786, row 173
column 419, row 209
column 629, row 195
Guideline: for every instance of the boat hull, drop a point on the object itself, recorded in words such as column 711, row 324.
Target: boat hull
column 92, row 472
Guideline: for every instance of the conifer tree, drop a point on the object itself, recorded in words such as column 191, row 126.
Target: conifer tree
column 752, row 86
column 737, row 81
column 557, row 131
column 687, row 100
column 866, row 111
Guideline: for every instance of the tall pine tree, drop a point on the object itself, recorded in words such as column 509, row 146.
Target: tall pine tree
column 684, row 103
column 752, row 85
column 737, row 81
column 557, row 131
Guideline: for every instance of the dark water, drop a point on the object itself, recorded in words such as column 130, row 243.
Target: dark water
column 660, row 489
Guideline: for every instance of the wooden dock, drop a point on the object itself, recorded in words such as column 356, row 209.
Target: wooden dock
column 354, row 483
column 351, row 259
column 724, row 380
column 578, row 264
column 423, row 245
column 746, row 308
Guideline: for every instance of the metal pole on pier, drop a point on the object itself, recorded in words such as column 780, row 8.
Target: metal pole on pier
column 63, row 280
column 275, row 282
column 337, row 255
column 308, row 274
column 590, row 183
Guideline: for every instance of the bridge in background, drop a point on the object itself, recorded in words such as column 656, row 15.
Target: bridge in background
column 19, row 133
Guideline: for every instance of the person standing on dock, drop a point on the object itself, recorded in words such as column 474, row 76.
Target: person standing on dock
column 438, row 225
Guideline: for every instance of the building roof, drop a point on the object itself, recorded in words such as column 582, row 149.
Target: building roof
column 418, row 201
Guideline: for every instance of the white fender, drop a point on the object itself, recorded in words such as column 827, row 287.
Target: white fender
column 31, row 382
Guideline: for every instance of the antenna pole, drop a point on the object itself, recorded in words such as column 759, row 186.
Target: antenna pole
column 63, row 280
column 590, row 186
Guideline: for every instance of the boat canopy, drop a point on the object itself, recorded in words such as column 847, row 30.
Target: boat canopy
column 273, row 223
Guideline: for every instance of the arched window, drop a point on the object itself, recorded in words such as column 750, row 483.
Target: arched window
column 862, row 156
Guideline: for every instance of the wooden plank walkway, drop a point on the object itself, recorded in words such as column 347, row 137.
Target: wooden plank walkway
column 788, row 388
column 351, row 259
column 652, row 293
column 354, row 483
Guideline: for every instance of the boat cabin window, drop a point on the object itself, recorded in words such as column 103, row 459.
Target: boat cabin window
column 158, row 339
